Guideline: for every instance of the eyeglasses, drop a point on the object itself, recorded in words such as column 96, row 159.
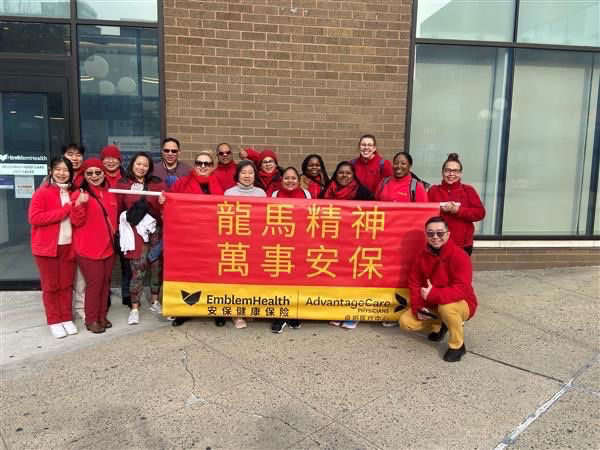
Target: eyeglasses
column 168, row 150
column 268, row 161
column 367, row 145
column 223, row 153
column 203, row 163
column 439, row 234
column 91, row 173
column 452, row 171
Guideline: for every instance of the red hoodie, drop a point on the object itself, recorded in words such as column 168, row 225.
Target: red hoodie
column 46, row 212
column 92, row 237
column 450, row 273
column 371, row 172
column 471, row 210
column 398, row 190
column 190, row 184
column 225, row 173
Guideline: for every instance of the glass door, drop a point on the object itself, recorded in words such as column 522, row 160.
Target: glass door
column 34, row 125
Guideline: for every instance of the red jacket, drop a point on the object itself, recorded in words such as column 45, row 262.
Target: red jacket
column 78, row 178
column 471, row 210
column 371, row 172
column 398, row 190
column 126, row 200
column 312, row 186
column 112, row 181
column 450, row 273
column 225, row 174
column 92, row 237
column 190, row 185
column 46, row 212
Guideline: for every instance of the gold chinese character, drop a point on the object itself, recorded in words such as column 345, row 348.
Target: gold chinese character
column 365, row 258
column 233, row 221
column 280, row 220
column 278, row 260
column 233, row 258
column 372, row 221
column 321, row 262
column 327, row 218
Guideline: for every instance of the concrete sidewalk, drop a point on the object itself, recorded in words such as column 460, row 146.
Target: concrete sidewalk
column 531, row 378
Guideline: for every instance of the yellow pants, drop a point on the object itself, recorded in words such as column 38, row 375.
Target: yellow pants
column 452, row 314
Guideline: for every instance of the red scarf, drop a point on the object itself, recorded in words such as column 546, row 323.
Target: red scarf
column 336, row 192
column 268, row 178
column 296, row 193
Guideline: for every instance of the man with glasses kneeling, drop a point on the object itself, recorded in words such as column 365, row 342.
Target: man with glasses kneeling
column 170, row 168
column 441, row 290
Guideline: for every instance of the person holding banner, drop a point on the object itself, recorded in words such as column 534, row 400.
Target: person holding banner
column 51, row 233
column 314, row 175
column 94, row 219
column 404, row 186
column 441, row 290
column 290, row 188
column 143, row 216
column 269, row 172
column 460, row 204
column 345, row 185
column 370, row 167
column 199, row 181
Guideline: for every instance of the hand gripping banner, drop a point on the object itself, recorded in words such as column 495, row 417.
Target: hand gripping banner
column 282, row 258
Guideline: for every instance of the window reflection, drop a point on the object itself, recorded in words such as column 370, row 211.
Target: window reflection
column 128, row 10
column 38, row 8
column 47, row 38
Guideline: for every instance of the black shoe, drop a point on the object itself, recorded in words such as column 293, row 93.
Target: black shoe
column 278, row 326
column 439, row 336
column 179, row 321
column 126, row 301
column 220, row 321
column 454, row 354
column 294, row 324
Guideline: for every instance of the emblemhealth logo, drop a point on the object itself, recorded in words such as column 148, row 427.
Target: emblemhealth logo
column 402, row 303
column 3, row 157
column 191, row 299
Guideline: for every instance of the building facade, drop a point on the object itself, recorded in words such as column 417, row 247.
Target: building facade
column 512, row 86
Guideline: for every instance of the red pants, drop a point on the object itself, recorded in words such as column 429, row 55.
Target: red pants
column 97, row 274
column 56, row 276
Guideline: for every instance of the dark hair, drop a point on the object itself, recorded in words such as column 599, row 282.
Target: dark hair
column 325, row 179
column 370, row 136
column 245, row 163
column 291, row 168
column 436, row 219
column 452, row 157
column 406, row 155
column 148, row 175
column 170, row 139
column 55, row 162
column 73, row 145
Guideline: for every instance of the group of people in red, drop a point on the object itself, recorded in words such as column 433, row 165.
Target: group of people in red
column 77, row 223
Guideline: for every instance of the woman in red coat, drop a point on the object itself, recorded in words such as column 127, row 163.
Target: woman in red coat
column 460, row 204
column 51, row 237
column 269, row 172
column 370, row 167
column 403, row 186
column 314, row 175
column 94, row 219
column 139, row 178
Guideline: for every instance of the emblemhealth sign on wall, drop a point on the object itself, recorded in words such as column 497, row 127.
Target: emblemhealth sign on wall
column 282, row 258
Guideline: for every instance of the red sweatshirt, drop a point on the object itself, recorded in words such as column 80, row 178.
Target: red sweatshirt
column 225, row 174
column 46, row 212
column 190, row 184
column 125, row 201
column 371, row 172
column 77, row 178
column 450, row 273
column 398, row 190
column 92, row 237
column 471, row 210
column 113, row 180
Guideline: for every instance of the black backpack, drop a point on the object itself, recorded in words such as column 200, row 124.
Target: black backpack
column 413, row 185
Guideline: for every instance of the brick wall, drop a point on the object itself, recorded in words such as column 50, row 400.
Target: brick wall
column 534, row 258
column 298, row 76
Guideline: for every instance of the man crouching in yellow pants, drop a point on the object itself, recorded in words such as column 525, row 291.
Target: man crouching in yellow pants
column 441, row 290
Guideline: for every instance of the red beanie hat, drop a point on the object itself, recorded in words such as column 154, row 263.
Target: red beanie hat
column 111, row 151
column 92, row 162
column 265, row 154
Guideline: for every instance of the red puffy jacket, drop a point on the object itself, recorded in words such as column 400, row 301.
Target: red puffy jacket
column 450, row 274
column 471, row 210
column 371, row 172
column 46, row 212
column 190, row 184
column 225, row 174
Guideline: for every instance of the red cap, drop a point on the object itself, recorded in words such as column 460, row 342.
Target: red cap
column 265, row 154
column 111, row 151
column 92, row 162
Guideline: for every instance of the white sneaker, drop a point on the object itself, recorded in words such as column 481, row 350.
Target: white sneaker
column 70, row 327
column 134, row 317
column 156, row 308
column 57, row 330
column 390, row 324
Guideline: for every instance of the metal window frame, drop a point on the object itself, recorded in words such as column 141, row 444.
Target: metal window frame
column 512, row 47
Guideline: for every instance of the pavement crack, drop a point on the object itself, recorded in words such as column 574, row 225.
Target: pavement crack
column 504, row 363
column 193, row 398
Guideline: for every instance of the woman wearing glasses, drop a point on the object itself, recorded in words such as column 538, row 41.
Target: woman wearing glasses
column 269, row 172
column 199, row 181
column 144, row 216
column 94, row 220
column 460, row 204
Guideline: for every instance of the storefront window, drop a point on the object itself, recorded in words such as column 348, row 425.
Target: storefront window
column 127, row 10
column 458, row 106
column 481, row 20
column 26, row 37
column 551, row 139
column 37, row 8
column 119, row 99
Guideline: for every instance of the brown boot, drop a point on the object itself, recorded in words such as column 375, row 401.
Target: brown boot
column 105, row 323
column 95, row 327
